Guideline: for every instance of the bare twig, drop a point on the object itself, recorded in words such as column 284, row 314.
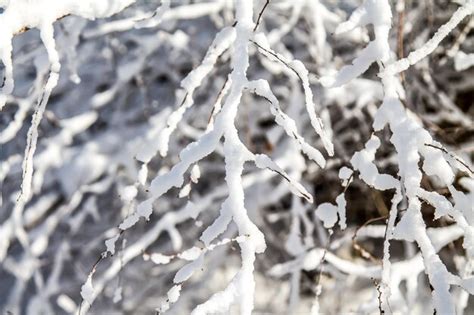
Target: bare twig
column 363, row 252
column 218, row 100
column 401, row 26
column 379, row 296
column 451, row 155
column 260, row 15
column 278, row 58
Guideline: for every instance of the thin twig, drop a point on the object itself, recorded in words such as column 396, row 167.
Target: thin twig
column 401, row 26
column 277, row 57
column 218, row 99
column 91, row 273
column 365, row 253
column 319, row 275
column 379, row 295
column 102, row 257
column 260, row 15
column 305, row 196
column 451, row 155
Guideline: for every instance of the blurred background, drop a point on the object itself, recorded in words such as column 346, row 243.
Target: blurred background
column 118, row 84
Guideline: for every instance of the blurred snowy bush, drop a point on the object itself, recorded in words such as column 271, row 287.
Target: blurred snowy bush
column 125, row 130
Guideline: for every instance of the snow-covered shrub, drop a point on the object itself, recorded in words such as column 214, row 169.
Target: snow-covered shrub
column 130, row 190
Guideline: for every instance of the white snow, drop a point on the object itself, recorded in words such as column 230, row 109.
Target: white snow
column 433, row 43
column 110, row 244
column 160, row 259
column 363, row 162
column 263, row 161
column 87, row 291
column 329, row 213
column 463, row 61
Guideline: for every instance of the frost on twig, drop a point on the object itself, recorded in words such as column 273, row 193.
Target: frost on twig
column 18, row 16
column 379, row 14
column 433, row 43
column 21, row 15
column 412, row 144
column 121, row 110
column 241, row 289
column 301, row 72
column 196, row 256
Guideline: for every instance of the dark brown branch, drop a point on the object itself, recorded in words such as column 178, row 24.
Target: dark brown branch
column 260, row 15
